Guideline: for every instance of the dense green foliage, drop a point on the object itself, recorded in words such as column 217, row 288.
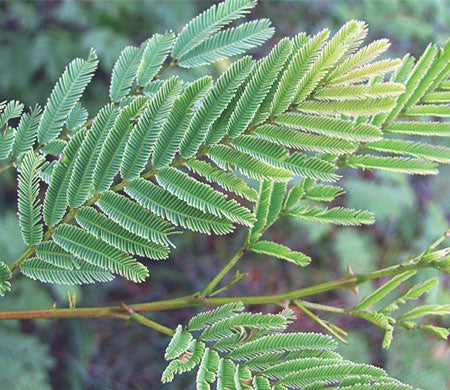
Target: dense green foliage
column 296, row 116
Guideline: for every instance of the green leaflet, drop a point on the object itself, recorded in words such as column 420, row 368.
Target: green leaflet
column 107, row 230
column 348, row 35
column 178, row 344
column 213, row 105
column 413, row 82
column 208, row 318
column 6, row 142
column 169, row 140
column 56, row 197
column 437, row 310
column 98, row 253
column 135, row 218
column 360, row 92
column 10, row 111
column 228, row 43
column 366, row 72
column 77, row 117
column 297, row 68
column 202, row 196
column 5, row 276
column 166, row 205
column 393, row 164
column 80, row 184
column 29, row 206
column 257, row 88
column 336, row 215
column 420, row 128
column 261, row 210
column 283, row 342
column 124, row 73
column 382, row 291
column 226, row 157
column 52, row 253
column 414, row 149
column 303, row 141
column 155, row 53
column 348, row 107
column 65, row 95
column 281, row 252
column 38, row 269
column 361, row 57
column 207, row 23
column 144, row 135
column 111, row 155
column 227, row 180
column 55, row 147
column 331, row 126
column 27, row 131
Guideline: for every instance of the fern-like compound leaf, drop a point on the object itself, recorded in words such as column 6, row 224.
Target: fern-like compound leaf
column 80, row 185
column 227, row 180
column 213, row 105
column 281, row 252
column 382, row 291
column 299, row 65
column 52, row 253
column 420, row 128
column 98, row 253
column 110, row 158
column 29, row 206
column 65, row 95
column 349, row 35
column 10, row 111
column 283, row 342
column 107, row 230
column 228, row 43
column 436, row 310
column 27, row 131
column 393, row 164
column 208, row 318
column 226, row 158
column 124, row 73
column 360, row 92
column 333, row 127
column 257, row 88
column 303, row 141
column 166, row 205
column 202, row 196
column 169, row 140
column 144, row 135
column 86, row 273
column 336, row 215
column 209, row 22
column 6, row 142
column 5, row 276
column 414, row 149
column 155, row 53
column 135, row 218
column 178, row 344
column 56, row 197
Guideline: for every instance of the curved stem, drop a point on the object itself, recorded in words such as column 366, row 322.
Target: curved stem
column 197, row 299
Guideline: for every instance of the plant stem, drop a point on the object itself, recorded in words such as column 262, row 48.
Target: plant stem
column 213, row 283
column 140, row 319
column 198, row 300
column 6, row 167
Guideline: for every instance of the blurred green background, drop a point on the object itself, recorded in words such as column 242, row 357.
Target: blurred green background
column 38, row 38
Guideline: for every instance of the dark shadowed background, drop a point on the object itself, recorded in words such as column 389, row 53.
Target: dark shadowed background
column 38, row 38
